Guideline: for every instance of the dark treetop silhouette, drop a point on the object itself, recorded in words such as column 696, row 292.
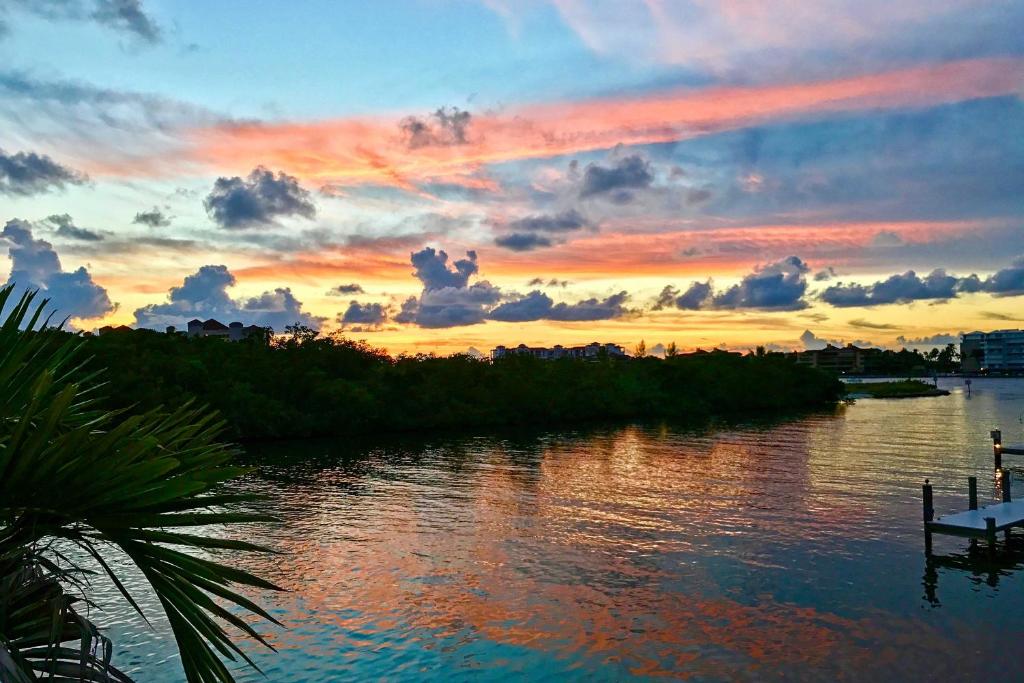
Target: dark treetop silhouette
column 306, row 384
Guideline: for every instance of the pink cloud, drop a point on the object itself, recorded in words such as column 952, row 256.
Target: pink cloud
column 372, row 150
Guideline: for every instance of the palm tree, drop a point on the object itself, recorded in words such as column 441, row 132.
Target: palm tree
column 77, row 482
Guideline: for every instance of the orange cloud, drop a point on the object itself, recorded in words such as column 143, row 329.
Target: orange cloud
column 714, row 251
column 620, row 251
column 373, row 151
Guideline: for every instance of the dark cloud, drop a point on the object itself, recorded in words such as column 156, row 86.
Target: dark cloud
column 276, row 309
column 813, row 341
column 433, row 271
column 538, row 306
column 524, row 235
column 204, row 295
column 371, row 315
column 931, row 341
column 996, row 315
column 126, row 16
column 154, row 218
column 35, row 265
column 445, row 127
column 592, row 309
column 534, row 306
column 1008, row 281
column 937, row 285
column 553, row 282
column 447, row 299
column 565, row 221
column 558, row 283
column 258, row 200
column 868, row 325
column 64, row 226
column 778, row 286
column 616, row 181
column 696, row 296
column 27, row 173
column 345, row 290
column 901, row 288
column 450, row 306
column 825, row 274
column 522, row 241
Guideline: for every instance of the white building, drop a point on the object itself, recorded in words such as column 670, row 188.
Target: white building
column 998, row 351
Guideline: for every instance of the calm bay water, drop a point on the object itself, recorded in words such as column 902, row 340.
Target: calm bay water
column 782, row 549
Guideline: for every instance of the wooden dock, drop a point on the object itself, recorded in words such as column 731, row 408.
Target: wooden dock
column 974, row 523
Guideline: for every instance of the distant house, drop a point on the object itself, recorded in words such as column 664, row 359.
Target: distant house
column 847, row 359
column 589, row 352
column 713, row 352
column 107, row 329
column 236, row 331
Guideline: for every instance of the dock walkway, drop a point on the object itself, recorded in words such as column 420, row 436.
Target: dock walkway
column 975, row 522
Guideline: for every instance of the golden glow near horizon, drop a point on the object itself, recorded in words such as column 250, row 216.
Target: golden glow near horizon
column 690, row 330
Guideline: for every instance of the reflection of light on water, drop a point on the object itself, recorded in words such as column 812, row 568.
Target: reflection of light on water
column 743, row 552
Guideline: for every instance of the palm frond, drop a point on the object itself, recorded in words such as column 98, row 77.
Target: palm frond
column 97, row 479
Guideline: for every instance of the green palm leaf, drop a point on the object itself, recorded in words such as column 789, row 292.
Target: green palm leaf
column 77, row 475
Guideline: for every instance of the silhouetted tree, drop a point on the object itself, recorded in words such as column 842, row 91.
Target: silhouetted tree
column 307, row 384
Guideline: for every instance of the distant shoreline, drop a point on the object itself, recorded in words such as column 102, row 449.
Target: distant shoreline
column 323, row 386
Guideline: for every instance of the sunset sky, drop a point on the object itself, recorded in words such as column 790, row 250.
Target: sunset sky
column 437, row 176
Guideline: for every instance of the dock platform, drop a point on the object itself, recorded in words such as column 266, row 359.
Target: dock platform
column 974, row 523
column 984, row 522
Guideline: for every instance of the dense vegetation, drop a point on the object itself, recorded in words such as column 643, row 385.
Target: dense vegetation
column 308, row 385
column 913, row 362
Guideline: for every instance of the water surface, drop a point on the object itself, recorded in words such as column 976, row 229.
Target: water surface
column 769, row 549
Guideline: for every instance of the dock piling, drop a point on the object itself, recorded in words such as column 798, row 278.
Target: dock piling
column 929, row 515
column 972, row 493
column 990, row 534
column 997, row 448
column 1004, row 483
